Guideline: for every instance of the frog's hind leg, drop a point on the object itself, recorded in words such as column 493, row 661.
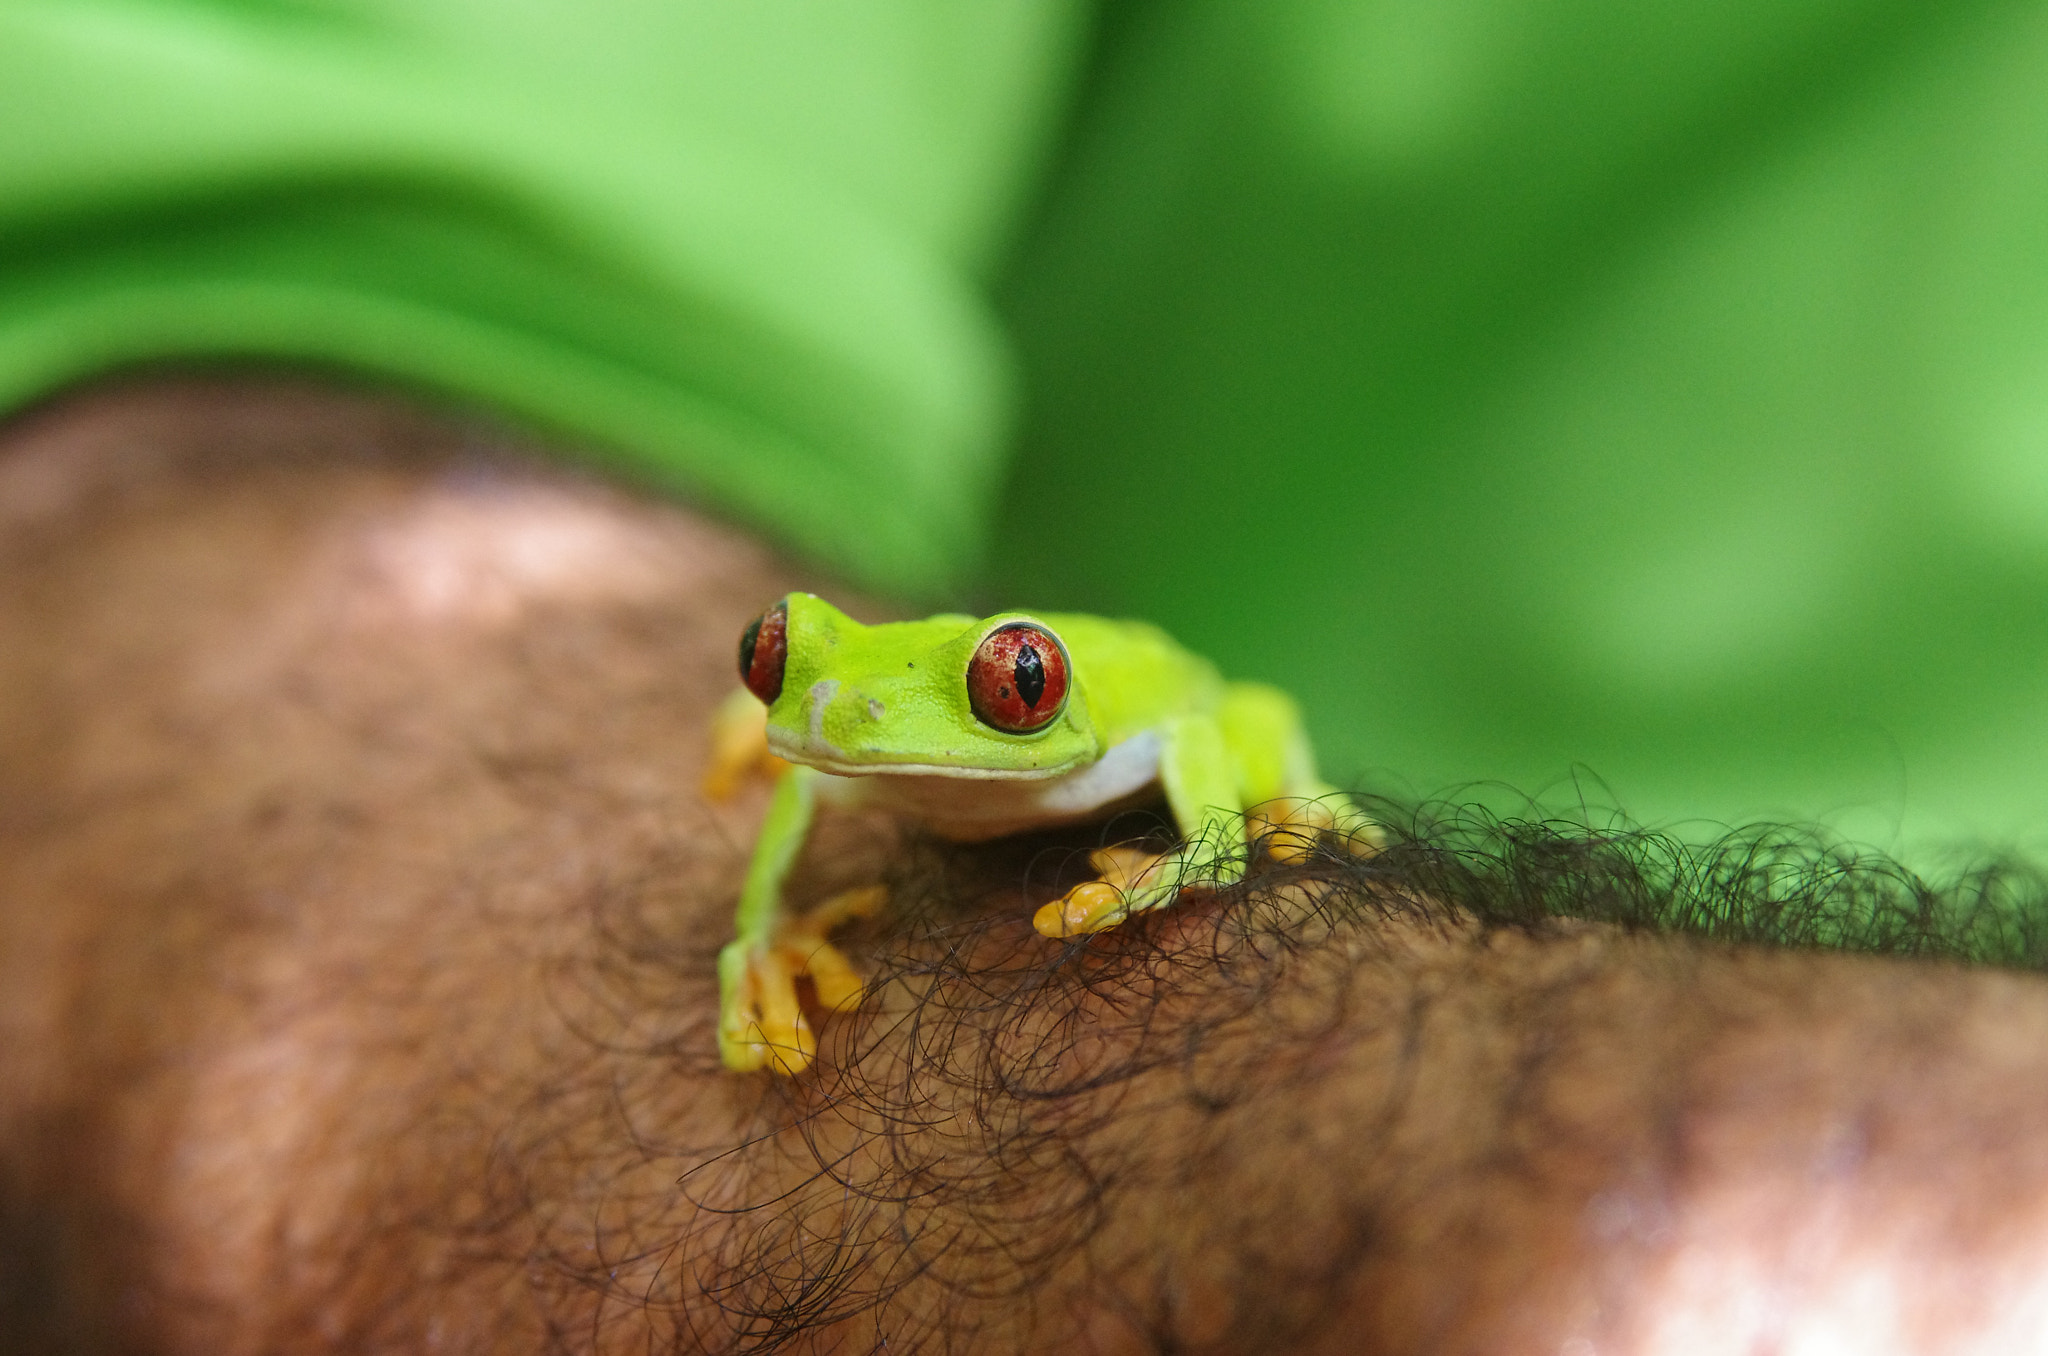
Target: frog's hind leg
column 1291, row 808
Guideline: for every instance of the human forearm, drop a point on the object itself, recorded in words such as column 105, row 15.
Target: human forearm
column 359, row 914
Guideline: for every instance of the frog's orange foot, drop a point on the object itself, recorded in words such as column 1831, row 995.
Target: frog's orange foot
column 863, row 901
column 1128, row 868
column 1290, row 828
column 837, row 984
column 1128, row 876
column 761, row 1023
column 1362, row 837
column 1089, row 907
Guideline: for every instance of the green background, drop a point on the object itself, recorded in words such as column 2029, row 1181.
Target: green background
column 1648, row 394
column 1629, row 400
column 733, row 248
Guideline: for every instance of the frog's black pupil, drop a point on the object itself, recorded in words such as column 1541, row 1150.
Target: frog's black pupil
column 748, row 638
column 1030, row 674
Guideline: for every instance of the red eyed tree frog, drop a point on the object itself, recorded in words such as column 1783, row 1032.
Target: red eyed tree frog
column 976, row 728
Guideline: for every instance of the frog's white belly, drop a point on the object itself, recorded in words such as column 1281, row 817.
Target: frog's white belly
column 971, row 808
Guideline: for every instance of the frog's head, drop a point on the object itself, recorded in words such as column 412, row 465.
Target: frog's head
column 948, row 696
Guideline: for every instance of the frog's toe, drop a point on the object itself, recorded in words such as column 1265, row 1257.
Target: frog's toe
column 1127, row 868
column 761, row 1024
column 1289, row 829
column 863, row 901
column 838, row 985
column 1089, row 907
column 1362, row 836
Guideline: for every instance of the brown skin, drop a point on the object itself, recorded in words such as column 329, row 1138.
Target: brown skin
column 357, row 911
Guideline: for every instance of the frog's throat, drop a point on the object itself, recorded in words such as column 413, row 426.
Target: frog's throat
column 970, row 811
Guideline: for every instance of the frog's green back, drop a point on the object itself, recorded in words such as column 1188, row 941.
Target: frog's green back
column 1131, row 673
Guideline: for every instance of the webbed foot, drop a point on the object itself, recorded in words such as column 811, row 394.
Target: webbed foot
column 1132, row 880
column 761, row 1022
column 1289, row 828
column 838, row 985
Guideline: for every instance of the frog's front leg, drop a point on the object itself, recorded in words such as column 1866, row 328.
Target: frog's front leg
column 1291, row 806
column 1200, row 778
column 760, row 1019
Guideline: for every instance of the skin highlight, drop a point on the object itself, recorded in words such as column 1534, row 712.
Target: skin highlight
column 358, row 908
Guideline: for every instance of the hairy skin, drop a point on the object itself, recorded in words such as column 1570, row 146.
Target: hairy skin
column 357, row 915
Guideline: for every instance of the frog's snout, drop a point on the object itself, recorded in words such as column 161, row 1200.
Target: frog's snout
column 836, row 717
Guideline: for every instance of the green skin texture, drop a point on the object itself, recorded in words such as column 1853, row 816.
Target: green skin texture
column 867, row 714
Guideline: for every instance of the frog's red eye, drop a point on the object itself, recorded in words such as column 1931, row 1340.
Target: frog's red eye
column 764, row 645
column 1017, row 680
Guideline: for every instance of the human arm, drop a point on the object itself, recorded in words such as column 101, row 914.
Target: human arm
column 360, row 911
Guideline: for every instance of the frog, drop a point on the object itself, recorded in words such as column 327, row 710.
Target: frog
column 974, row 728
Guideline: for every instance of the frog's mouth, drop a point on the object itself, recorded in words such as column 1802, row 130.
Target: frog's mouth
column 827, row 757
column 813, row 749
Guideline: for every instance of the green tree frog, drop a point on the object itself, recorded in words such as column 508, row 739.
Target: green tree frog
column 975, row 728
